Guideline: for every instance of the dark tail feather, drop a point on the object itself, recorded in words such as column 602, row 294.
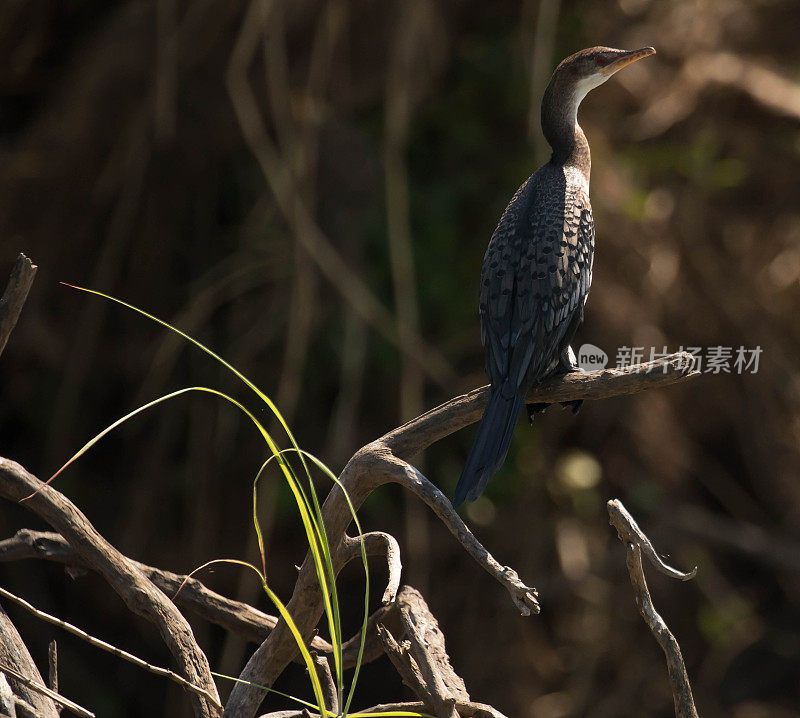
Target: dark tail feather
column 491, row 445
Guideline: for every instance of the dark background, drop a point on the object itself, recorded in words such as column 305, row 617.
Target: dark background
column 392, row 134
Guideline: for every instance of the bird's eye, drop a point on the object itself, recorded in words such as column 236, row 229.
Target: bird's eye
column 600, row 61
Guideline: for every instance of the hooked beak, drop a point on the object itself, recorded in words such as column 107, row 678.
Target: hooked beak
column 626, row 59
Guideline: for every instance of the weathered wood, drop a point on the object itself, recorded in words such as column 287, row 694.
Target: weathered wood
column 386, row 461
column 139, row 594
column 636, row 543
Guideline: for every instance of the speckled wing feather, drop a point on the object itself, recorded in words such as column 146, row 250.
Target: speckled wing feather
column 536, row 275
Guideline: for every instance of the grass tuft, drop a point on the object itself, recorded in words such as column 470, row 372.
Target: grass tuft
column 311, row 517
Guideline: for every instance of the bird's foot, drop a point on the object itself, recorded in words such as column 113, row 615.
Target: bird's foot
column 569, row 365
column 533, row 409
column 568, row 362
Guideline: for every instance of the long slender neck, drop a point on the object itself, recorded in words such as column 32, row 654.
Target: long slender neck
column 561, row 128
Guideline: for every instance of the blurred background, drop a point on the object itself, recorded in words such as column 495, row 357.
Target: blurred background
column 309, row 187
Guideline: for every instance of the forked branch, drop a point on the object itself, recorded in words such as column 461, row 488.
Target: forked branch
column 637, row 543
column 386, row 460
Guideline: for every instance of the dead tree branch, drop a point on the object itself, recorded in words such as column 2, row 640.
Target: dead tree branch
column 103, row 645
column 375, row 543
column 422, row 654
column 234, row 616
column 325, row 675
column 637, row 543
column 386, row 461
column 139, row 594
column 71, row 706
column 422, row 659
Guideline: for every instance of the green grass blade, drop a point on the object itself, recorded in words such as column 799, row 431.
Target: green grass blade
column 200, row 346
column 333, row 616
column 312, row 670
column 297, row 700
column 322, row 467
column 337, row 646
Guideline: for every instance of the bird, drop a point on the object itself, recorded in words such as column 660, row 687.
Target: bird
column 537, row 269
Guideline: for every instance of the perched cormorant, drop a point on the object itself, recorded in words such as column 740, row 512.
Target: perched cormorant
column 538, row 266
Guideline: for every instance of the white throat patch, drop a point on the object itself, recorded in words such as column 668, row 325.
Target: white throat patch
column 582, row 88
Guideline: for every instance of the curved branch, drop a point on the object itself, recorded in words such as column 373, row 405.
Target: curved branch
column 628, row 531
column 139, row 594
column 401, row 472
column 635, row 543
column 375, row 543
column 236, row 616
column 385, row 460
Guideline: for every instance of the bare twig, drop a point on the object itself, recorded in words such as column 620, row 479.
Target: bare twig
column 235, row 616
column 52, row 664
column 629, row 531
column 71, row 706
column 19, row 284
column 403, row 473
column 139, row 594
column 97, row 643
column 635, row 543
column 386, row 460
column 13, row 652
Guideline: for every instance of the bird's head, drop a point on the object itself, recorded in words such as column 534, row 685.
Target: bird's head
column 589, row 68
column 571, row 82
